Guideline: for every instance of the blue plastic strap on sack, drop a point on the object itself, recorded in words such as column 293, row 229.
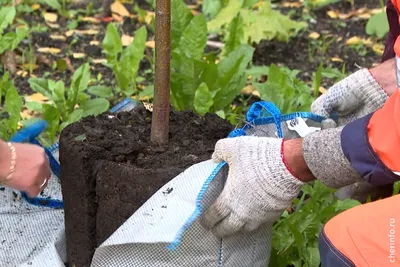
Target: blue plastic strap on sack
column 254, row 115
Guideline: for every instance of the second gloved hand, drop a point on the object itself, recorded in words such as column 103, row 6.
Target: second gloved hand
column 258, row 189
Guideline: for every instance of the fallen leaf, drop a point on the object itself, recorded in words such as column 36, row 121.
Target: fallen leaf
column 126, row 40
column 292, row 4
column 26, row 114
column 53, row 25
column 355, row 40
column 119, row 9
column 322, row 90
column 149, row 17
column 336, row 59
column 78, row 55
column 247, row 90
column 28, row 66
column 36, row 97
column 87, row 32
column 99, row 60
column 50, row 17
column 49, row 50
column 195, row 12
column 192, row 6
column 69, row 33
column 22, row 73
column 58, row 37
column 151, row 44
column 148, row 106
column 35, row 7
column 94, row 43
column 314, row 35
column 117, row 18
column 90, row 19
column 332, row 14
column 378, row 48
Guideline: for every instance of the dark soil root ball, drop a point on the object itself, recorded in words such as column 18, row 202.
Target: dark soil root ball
column 109, row 169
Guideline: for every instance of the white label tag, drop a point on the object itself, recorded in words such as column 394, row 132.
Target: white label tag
column 301, row 127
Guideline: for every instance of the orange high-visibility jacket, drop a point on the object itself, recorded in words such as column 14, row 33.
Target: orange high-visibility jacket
column 372, row 143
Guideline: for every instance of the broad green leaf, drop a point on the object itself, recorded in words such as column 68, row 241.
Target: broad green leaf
column 74, row 116
column 112, row 43
column 147, row 92
column 7, row 15
column 13, row 106
column 203, row 100
column 34, row 106
column 181, row 16
column 95, row 106
column 79, row 83
column 346, row 204
column 128, row 66
column 40, row 85
column 235, row 35
column 232, row 76
column 378, row 25
column 52, row 117
column 194, row 38
column 100, row 90
column 55, row 4
column 250, row 3
column 312, row 257
column 211, row 7
column 225, row 16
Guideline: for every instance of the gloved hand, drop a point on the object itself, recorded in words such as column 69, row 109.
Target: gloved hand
column 258, row 189
column 352, row 98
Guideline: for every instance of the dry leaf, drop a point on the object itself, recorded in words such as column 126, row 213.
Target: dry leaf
column 195, row 12
column 28, row 66
column 58, row 37
column 26, row 114
column 336, row 59
column 192, row 6
column 117, row 18
column 322, row 90
column 314, row 35
column 90, row 19
column 53, row 25
column 292, row 4
column 126, row 40
column 151, row 44
column 50, row 17
column 36, row 97
column 99, row 60
column 69, row 33
column 94, row 43
column 49, row 50
column 378, row 48
column 332, row 14
column 35, row 7
column 149, row 17
column 87, row 32
column 148, row 106
column 78, row 55
column 355, row 40
column 119, row 9
column 22, row 73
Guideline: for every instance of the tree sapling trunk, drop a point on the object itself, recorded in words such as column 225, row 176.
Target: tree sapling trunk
column 160, row 119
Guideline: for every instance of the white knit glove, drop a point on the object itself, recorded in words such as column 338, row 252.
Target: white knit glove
column 352, row 98
column 258, row 189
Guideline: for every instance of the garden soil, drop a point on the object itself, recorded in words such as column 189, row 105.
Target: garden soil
column 109, row 169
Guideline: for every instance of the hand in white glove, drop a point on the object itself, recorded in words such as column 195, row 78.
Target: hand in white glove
column 258, row 189
column 354, row 97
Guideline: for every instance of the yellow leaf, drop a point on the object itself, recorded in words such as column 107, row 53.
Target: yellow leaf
column 119, row 9
column 151, row 44
column 36, row 97
column 292, row 4
column 28, row 66
column 355, row 40
column 90, row 19
column 322, row 90
column 149, row 17
column 53, row 25
column 94, row 43
column 126, row 40
column 99, row 60
column 378, row 48
column 332, row 14
column 50, row 17
column 58, row 37
column 26, row 114
column 35, row 7
column 49, row 50
column 78, row 55
column 69, row 33
column 87, row 32
column 336, row 59
column 148, row 106
column 22, row 73
column 247, row 90
column 314, row 35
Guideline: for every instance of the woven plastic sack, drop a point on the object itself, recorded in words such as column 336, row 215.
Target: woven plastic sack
column 165, row 230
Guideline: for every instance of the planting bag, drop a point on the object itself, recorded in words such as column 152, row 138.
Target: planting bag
column 163, row 232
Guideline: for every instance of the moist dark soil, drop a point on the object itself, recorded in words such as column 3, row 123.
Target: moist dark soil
column 109, row 169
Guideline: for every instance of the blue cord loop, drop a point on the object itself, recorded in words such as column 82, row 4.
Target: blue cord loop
column 256, row 112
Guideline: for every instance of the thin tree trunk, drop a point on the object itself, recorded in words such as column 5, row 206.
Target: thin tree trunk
column 160, row 120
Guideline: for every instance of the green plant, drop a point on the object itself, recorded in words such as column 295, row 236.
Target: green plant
column 295, row 239
column 11, row 39
column 198, row 81
column 377, row 25
column 10, row 113
column 315, row 4
column 285, row 90
column 265, row 23
column 66, row 105
column 124, row 62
